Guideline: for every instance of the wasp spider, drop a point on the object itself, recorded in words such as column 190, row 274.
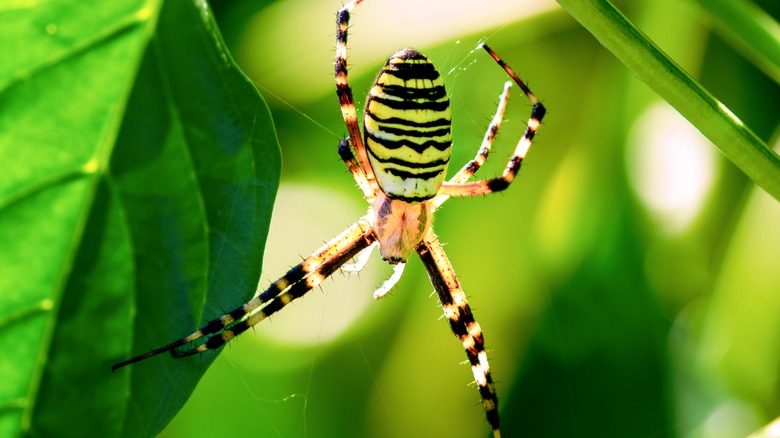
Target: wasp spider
column 399, row 162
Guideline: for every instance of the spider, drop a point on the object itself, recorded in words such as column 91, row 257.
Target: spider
column 399, row 162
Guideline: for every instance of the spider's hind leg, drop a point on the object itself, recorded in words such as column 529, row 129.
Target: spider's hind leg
column 470, row 168
column 347, row 102
column 473, row 166
column 345, row 152
column 524, row 144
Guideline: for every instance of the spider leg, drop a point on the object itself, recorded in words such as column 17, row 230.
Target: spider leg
column 387, row 285
column 513, row 166
column 345, row 152
column 344, row 92
column 360, row 261
column 473, row 166
column 294, row 284
column 466, row 329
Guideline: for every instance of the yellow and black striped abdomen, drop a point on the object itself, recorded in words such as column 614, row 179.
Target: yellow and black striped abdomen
column 407, row 124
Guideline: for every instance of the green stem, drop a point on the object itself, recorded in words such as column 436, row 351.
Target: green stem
column 751, row 29
column 653, row 67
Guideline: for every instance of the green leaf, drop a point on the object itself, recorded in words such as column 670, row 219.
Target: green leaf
column 139, row 168
column 735, row 140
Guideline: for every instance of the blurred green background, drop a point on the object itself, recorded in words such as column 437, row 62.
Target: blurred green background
column 627, row 283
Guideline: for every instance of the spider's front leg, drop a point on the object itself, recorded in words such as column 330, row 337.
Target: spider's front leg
column 293, row 285
column 466, row 329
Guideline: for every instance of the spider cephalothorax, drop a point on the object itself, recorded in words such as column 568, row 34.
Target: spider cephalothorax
column 400, row 164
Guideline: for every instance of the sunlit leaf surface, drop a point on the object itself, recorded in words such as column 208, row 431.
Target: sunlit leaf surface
column 139, row 168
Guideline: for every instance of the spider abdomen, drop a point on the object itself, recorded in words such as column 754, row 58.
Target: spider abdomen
column 408, row 127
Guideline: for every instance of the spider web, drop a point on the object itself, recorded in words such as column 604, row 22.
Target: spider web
column 299, row 340
column 280, row 380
